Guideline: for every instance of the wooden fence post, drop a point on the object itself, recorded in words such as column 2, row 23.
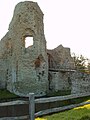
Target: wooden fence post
column 31, row 106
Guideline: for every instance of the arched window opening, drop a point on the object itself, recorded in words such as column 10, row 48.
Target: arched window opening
column 28, row 41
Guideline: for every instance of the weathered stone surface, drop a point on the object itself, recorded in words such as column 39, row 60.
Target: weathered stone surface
column 59, row 81
column 60, row 57
column 80, row 82
column 25, row 70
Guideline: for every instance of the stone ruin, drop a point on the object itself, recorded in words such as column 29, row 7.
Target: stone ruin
column 33, row 68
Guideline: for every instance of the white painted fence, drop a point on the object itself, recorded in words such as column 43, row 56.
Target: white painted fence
column 32, row 101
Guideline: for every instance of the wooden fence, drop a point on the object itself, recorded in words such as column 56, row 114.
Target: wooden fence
column 32, row 101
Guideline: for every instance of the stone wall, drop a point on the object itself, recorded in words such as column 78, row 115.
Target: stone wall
column 59, row 81
column 61, row 57
column 59, row 61
column 80, row 82
column 27, row 67
column 77, row 82
column 3, row 74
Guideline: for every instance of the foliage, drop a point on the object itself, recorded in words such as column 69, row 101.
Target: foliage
column 80, row 62
column 88, row 66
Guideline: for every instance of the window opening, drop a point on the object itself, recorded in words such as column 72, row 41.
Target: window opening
column 28, row 41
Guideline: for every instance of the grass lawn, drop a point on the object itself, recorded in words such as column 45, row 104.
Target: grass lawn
column 79, row 113
column 5, row 94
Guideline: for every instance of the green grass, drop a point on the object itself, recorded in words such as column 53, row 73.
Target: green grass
column 5, row 94
column 80, row 113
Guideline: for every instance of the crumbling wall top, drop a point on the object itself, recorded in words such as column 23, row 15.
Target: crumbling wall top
column 24, row 10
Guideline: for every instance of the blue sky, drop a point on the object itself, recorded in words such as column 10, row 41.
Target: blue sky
column 66, row 22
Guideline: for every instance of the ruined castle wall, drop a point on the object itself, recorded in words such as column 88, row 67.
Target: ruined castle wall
column 59, row 81
column 58, row 59
column 80, row 82
column 27, row 67
column 3, row 74
column 62, row 57
column 4, row 51
column 77, row 82
column 29, row 64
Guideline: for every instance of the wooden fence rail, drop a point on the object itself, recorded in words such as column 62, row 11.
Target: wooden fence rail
column 61, row 98
column 32, row 101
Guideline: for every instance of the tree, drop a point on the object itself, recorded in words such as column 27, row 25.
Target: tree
column 80, row 62
column 88, row 66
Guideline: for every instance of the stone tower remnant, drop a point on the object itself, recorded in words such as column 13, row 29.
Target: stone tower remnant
column 34, row 69
column 26, row 68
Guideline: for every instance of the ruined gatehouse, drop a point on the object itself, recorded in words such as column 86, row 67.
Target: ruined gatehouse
column 34, row 68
